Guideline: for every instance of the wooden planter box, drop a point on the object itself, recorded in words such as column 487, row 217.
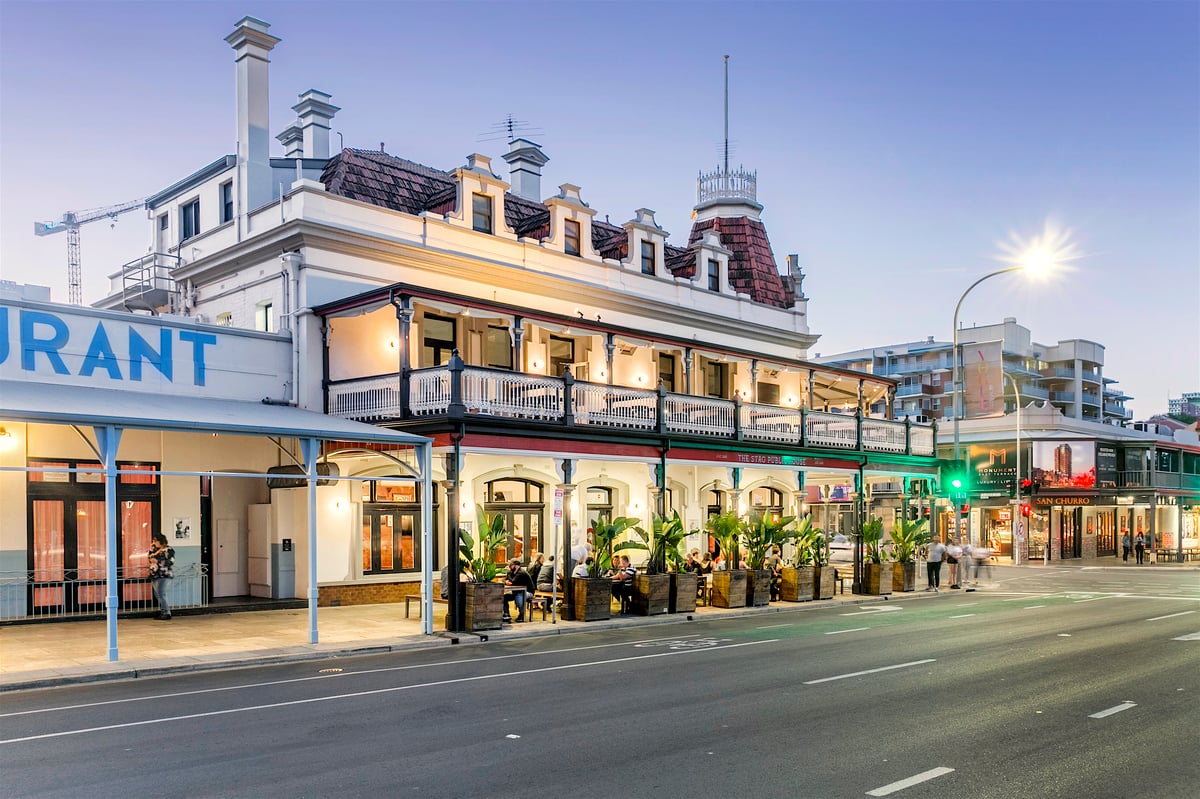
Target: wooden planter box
column 904, row 577
column 877, row 578
column 824, row 578
column 758, row 587
column 651, row 594
column 484, row 606
column 798, row 584
column 682, row 596
column 729, row 589
column 593, row 598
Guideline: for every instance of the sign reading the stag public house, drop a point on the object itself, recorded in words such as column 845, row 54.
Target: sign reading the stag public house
column 65, row 345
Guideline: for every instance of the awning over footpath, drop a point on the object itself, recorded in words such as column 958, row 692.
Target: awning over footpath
column 110, row 411
column 83, row 405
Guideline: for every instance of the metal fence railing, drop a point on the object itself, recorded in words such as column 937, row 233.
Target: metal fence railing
column 81, row 593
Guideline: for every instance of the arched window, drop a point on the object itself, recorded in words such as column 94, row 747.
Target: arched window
column 766, row 502
column 522, row 504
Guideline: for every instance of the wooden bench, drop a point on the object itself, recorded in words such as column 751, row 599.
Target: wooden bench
column 415, row 599
column 541, row 600
column 841, row 578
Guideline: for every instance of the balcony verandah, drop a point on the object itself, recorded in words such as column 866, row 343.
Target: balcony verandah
column 457, row 391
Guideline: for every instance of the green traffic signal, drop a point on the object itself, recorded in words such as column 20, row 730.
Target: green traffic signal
column 956, row 483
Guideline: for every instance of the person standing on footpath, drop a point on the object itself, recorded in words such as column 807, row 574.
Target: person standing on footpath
column 1126, row 544
column 162, row 568
column 933, row 566
column 953, row 553
column 1139, row 546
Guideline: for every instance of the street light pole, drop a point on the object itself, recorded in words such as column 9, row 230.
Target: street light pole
column 957, row 389
column 1018, row 524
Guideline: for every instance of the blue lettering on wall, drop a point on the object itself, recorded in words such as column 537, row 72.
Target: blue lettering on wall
column 100, row 355
column 31, row 345
column 199, row 342
column 4, row 348
column 140, row 350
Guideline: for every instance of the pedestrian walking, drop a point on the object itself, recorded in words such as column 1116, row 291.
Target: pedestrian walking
column 162, row 568
column 1126, row 544
column 953, row 553
column 964, row 562
column 933, row 566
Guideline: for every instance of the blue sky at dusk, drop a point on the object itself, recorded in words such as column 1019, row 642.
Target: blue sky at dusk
column 897, row 144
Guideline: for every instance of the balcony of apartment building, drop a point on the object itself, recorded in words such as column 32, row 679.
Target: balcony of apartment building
column 1164, row 478
column 500, row 373
column 1067, row 373
column 899, row 367
column 1117, row 409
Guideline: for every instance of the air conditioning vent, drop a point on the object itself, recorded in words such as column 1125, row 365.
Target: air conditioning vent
column 293, row 476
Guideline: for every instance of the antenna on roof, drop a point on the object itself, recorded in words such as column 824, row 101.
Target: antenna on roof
column 727, row 115
column 508, row 128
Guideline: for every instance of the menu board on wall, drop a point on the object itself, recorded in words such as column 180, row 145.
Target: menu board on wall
column 1065, row 464
column 1106, row 466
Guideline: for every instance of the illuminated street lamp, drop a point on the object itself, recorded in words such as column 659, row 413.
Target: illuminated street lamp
column 1038, row 258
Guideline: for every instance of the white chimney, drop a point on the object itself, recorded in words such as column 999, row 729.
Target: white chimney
column 292, row 140
column 525, row 160
column 251, row 42
column 315, row 113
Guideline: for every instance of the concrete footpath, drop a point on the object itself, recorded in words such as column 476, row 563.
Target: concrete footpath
column 61, row 653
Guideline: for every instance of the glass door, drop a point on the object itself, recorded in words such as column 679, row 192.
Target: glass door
column 68, row 556
column 391, row 541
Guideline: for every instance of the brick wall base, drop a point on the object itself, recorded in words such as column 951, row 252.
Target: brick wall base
column 368, row 593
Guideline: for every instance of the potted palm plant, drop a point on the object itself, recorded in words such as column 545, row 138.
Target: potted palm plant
column 799, row 578
column 907, row 538
column 593, row 594
column 484, row 606
column 729, row 584
column 652, row 586
column 760, row 536
column 877, row 578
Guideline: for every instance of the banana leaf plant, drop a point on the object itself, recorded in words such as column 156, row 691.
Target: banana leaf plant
column 810, row 544
column 726, row 528
column 604, row 535
column 481, row 562
column 668, row 538
column 763, row 533
column 907, row 537
column 871, row 534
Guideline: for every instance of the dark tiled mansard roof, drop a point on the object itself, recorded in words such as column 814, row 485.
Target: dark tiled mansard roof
column 402, row 185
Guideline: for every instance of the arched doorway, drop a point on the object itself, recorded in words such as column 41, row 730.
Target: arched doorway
column 522, row 504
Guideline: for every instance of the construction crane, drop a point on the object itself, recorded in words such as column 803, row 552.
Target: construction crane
column 70, row 222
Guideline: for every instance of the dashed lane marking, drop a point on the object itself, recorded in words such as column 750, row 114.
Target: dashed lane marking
column 915, row 779
column 852, row 630
column 1112, row 710
column 870, row 671
column 1171, row 615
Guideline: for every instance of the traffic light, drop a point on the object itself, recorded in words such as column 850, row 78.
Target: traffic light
column 1026, row 487
column 965, row 509
column 1026, row 510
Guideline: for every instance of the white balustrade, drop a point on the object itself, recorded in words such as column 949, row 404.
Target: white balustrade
column 831, row 430
column 698, row 415
column 922, row 439
column 770, row 423
column 512, row 394
column 883, row 435
column 429, row 392
column 614, row 406
column 366, row 400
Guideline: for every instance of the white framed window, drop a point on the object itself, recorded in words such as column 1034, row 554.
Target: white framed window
column 264, row 317
column 481, row 213
column 573, row 234
column 227, row 201
column 189, row 220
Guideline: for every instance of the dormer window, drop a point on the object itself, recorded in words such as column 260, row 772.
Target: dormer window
column 481, row 213
column 648, row 258
column 572, row 233
column 714, row 274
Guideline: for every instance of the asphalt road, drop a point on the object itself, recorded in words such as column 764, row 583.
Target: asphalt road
column 1044, row 684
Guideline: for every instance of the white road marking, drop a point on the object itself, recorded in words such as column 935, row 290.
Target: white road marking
column 969, row 604
column 510, row 735
column 1094, row 599
column 853, row 630
column 1112, row 710
column 916, row 779
column 376, row 692
column 1031, row 607
column 770, row 626
column 333, row 676
column 1189, row 637
column 963, row 616
column 870, row 671
column 1172, row 615
column 872, row 611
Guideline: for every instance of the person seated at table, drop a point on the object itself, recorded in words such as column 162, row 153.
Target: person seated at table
column 520, row 586
column 690, row 564
column 581, row 567
column 622, row 583
column 706, row 563
column 545, row 578
column 535, row 566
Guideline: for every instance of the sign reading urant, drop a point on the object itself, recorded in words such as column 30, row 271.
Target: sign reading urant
column 82, row 346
